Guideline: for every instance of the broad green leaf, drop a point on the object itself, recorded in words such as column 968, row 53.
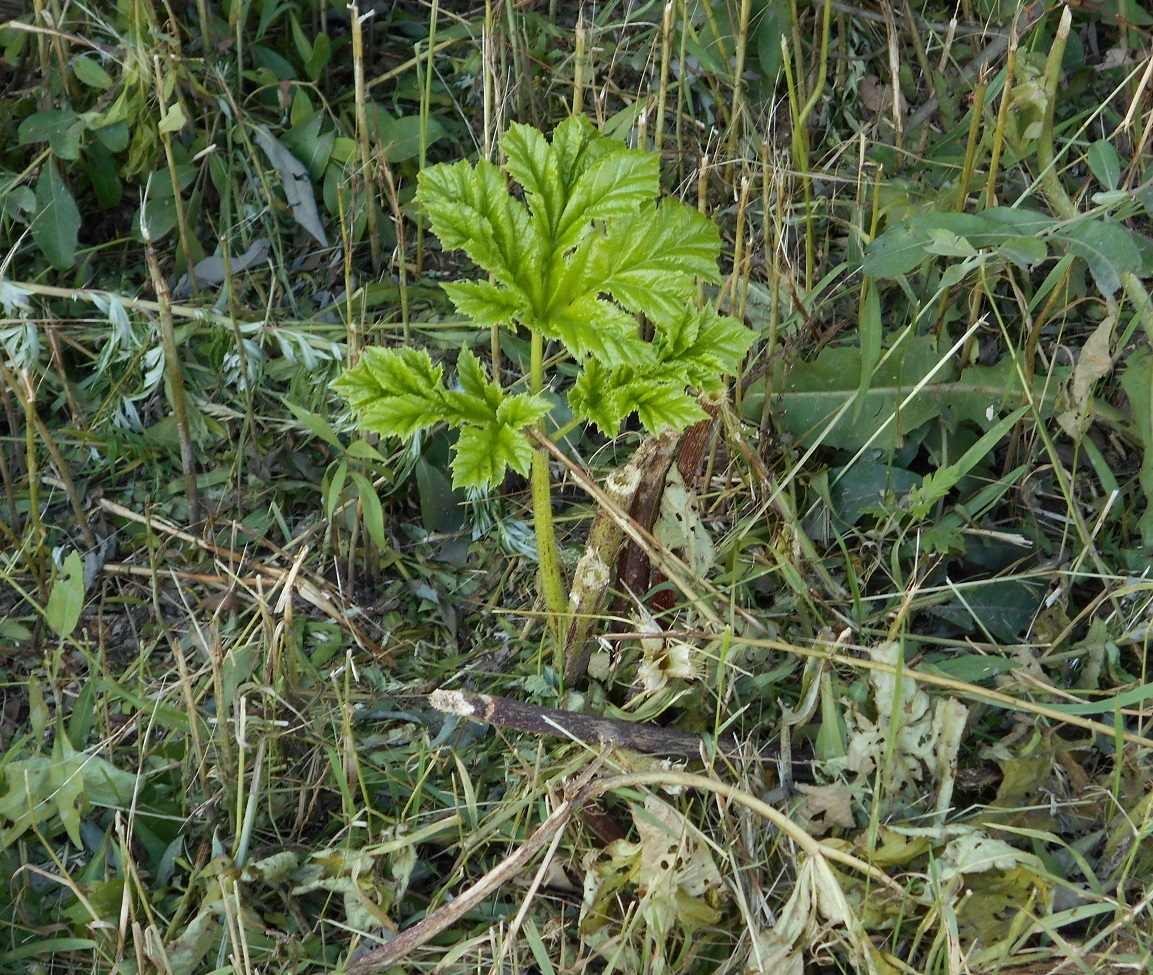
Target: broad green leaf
column 90, row 73
column 596, row 398
column 56, row 225
column 488, row 304
column 483, row 454
column 1104, row 163
column 403, row 415
column 983, row 393
column 66, row 599
column 317, row 425
column 396, row 391
column 532, row 162
column 593, row 326
column 908, row 245
column 615, row 185
column 650, row 260
column 174, row 119
column 706, row 345
column 866, row 486
column 1025, row 252
column 521, row 411
column 104, row 175
column 370, row 510
column 334, row 494
column 897, row 251
column 470, row 209
column 814, row 393
column 60, row 128
column 578, row 146
column 399, row 138
column 474, row 380
column 312, row 146
column 1003, row 607
column 667, row 406
column 388, row 372
column 1106, row 246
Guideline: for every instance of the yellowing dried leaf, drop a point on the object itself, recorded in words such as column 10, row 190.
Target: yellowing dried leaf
column 1094, row 363
column 830, row 804
column 679, row 527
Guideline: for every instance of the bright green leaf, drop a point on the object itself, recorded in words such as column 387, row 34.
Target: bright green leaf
column 615, row 185
column 370, row 510
column 668, row 407
column 483, row 454
column 487, row 304
column 533, row 164
column 90, row 73
column 66, row 599
column 396, row 391
column 174, row 119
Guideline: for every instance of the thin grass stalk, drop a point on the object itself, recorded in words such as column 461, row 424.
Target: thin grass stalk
column 1049, row 178
column 206, row 38
column 580, row 65
column 1002, row 116
column 35, row 427
column 177, row 197
column 682, row 86
column 426, row 88
column 362, row 136
column 919, row 50
column 188, row 697
column 12, row 529
column 738, row 110
column 894, row 74
column 175, row 379
column 666, row 57
column 401, row 248
column 488, row 82
column 235, row 317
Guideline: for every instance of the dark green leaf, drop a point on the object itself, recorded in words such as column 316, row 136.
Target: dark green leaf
column 90, row 73
column 56, row 225
column 66, row 599
column 1104, row 163
column 1106, row 246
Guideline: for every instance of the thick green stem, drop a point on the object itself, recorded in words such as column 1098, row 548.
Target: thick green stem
column 551, row 581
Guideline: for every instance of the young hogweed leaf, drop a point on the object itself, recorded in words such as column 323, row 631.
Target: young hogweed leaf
column 614, row 186
column 492, row 424
column 469, row 209
column 584, row 253
column 397, row 392
column 589, row 325
column 706, row 345
column 487, row 304
column 532, row 162
column 651, row 260
column 656, row 393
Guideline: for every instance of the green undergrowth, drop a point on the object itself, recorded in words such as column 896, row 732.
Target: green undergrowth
column 912, row 552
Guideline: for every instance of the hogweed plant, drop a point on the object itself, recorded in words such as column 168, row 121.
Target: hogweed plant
column 589, row 254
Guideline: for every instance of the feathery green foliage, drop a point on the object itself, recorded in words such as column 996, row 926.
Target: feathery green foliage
column 587, row 252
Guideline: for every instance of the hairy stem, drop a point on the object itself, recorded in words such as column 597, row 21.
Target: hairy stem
column 551, row 581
